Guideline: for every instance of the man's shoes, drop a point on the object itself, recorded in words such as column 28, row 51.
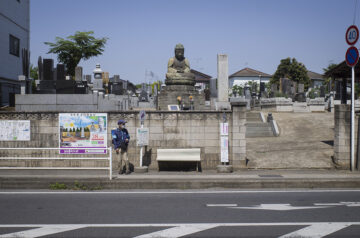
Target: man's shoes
column 127, row 172
column 121, row 172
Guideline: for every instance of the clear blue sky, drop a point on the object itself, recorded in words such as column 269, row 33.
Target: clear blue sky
column 253, row 33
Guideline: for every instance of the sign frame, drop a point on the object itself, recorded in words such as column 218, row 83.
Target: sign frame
column 92, row 141
column 346, row 56
column 352, row 27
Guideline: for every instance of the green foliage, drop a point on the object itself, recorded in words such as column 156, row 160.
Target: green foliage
column 138, row 86
column 76, row 186
column 34, row 72
column 81, row 45
column 58, row 186
column 327, row 81
column 252, row 85
column 314, row 92
column 280, row 95
column 156, row 84
column 237, row 90
column 292, row 69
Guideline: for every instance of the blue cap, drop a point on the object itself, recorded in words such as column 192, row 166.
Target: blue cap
column 121, row 122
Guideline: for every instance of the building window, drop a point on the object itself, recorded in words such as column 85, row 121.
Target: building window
column 14, row 45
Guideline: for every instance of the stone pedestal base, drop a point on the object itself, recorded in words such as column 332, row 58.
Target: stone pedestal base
column 224, row 168
column 141, row 170
column 219, row 106
column 169, row 95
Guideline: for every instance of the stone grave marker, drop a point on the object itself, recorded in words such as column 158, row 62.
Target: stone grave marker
column 60, row 72
column 301, row 88
column 78, row 73
column 48, row 66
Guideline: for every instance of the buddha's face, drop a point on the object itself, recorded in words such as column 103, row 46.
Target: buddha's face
column 179, row 54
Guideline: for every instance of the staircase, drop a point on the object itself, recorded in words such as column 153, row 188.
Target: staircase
column 255, row 127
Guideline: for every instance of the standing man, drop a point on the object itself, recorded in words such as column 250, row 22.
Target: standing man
column 121, row 140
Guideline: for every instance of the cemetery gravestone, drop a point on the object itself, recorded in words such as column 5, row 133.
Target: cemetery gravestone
column 322, row 91
column 213, row 90
column 60, row 72
column 300, row 88
column 88, row 78
column 48, row 65
column 78, row 74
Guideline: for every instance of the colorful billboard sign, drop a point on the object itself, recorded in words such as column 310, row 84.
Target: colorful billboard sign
column 83, row 133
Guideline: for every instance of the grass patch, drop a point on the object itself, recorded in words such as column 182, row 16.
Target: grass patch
column 75, row 186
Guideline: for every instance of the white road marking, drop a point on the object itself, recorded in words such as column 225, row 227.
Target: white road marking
column 221, row 205
column 278, row 207
column 178, row 231
column 179, row 192
column 348, row 204
column 42, row 231
column 317, row 230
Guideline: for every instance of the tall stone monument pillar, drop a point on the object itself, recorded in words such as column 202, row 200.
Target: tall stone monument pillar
column 223, row 83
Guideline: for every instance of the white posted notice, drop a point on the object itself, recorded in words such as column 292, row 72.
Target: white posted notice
column 14, row 130
column 142, row 136
column 224, row 149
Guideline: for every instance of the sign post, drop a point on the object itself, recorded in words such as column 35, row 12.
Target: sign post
column 142, row 119
column 352, row 57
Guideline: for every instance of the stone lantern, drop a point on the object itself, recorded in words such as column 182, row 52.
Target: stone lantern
column 98, row 81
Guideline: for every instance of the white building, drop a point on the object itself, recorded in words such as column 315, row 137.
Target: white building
column 14, row 36
column 247, row 75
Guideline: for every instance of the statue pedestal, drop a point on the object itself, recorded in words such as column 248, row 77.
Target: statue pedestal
column 169, row 95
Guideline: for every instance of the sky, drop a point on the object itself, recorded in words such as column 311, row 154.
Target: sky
column 142, row 34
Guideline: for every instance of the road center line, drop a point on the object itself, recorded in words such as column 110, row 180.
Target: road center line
column 221, row 205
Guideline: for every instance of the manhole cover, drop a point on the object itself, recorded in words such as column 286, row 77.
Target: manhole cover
column 270, row 175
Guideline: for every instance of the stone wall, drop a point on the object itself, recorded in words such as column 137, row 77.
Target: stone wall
column 74, row 102
column 185, row 129
column 342, row 130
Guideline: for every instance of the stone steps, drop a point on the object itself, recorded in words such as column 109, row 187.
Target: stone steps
column 258, row 129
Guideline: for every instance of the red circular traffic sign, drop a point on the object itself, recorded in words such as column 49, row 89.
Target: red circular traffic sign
column 352, row 35
column 352, row 56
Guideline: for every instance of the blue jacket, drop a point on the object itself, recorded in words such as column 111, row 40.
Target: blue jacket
column 120, row 136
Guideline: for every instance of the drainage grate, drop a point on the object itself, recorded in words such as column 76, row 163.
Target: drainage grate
column 270, row 175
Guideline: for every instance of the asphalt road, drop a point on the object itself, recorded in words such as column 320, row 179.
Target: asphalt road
column 319, row 213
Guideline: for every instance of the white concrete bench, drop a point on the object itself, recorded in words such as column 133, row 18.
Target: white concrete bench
column 182, row 155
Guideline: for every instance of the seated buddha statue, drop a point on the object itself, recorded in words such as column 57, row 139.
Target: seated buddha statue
column 178, row 72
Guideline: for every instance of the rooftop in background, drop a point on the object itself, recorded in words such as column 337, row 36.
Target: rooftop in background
column 248, row 72
column 313, row 75
column 343, row 71
column 200, row 76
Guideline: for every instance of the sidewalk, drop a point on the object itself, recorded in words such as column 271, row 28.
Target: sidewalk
column 248, row 179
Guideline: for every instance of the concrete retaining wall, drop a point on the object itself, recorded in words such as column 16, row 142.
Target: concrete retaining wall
column 185, row 129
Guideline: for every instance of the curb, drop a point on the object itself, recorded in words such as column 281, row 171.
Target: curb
column 204, row 183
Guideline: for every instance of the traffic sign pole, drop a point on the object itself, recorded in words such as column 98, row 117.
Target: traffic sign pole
column 353, row 119
column 352, row 57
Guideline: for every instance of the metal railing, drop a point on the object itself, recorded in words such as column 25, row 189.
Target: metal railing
column 109, row 149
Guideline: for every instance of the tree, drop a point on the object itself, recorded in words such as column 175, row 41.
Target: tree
column 328, row 81
column 34, row 75
column 81, row 45
column 292, row 69
column 237, row 90
column 34, row 72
